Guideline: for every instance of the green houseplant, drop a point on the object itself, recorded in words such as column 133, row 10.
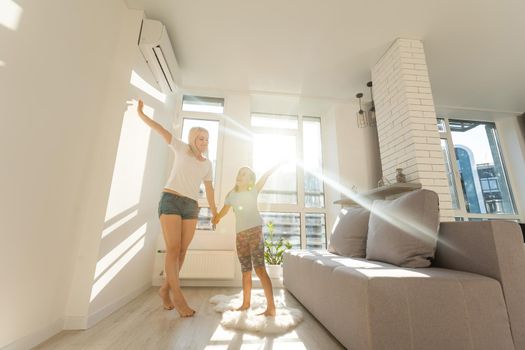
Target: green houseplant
column 273, row 248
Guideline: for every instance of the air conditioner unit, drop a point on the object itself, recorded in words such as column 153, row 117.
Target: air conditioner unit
column 158, row 52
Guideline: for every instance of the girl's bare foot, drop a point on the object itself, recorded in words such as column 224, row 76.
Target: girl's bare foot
column 164, row 294
column 268, row 312
column 243, row 307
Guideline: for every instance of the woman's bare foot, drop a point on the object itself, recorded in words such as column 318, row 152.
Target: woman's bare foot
column 183, row 309
column 186, row 312
column 164, row 294
column 268, row 312
column 243, row 307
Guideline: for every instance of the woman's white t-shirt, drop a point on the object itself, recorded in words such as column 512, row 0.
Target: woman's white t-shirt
column 187, row 172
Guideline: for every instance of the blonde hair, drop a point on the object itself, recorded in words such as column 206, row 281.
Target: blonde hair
column 192, row 137
column 252, row 178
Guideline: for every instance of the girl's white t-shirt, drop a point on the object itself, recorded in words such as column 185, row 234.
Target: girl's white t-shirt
column 187, row 172
column 244, row 204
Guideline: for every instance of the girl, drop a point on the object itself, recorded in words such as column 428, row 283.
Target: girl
column 249, row 238
column 178, row 207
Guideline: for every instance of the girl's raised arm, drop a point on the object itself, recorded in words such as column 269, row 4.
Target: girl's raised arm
column 166, row 135
column 260, row 184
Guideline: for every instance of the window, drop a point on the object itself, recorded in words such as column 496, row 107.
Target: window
column 202, row 104
column 476, row 170
column 204, row 112
column 294, row 195
column 315, row 231
column 313, row 163
column 450, row 174
column 269, row 148
column 286, row 225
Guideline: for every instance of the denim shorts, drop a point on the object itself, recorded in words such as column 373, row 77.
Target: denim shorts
column 172, row 204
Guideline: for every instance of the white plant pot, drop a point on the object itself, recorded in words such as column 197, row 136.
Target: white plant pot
column 274, row 271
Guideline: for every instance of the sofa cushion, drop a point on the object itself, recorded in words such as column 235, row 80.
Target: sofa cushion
column 349, row 233
column 404, row 231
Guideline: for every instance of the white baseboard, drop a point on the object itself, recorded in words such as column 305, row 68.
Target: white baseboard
column 38, row 337
column 99, row 315
column 85, row 322
column 75, row 322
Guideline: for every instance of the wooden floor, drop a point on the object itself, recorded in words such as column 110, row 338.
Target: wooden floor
column 143, row 324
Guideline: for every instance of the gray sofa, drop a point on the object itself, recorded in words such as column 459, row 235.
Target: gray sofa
column 473, row 296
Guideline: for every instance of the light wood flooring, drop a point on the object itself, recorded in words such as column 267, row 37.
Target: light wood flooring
column 143, row 324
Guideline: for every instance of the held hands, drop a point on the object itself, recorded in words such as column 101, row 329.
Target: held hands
column 215, row 219
column 217, row 216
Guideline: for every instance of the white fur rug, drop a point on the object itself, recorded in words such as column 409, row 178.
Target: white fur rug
column 249, row 320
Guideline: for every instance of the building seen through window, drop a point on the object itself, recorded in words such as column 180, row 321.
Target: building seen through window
column 481, row 176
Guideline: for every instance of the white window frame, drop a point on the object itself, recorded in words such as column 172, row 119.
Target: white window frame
column 300, row 206
column 461, row 212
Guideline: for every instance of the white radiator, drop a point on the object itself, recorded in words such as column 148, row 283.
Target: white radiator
column 207, row 264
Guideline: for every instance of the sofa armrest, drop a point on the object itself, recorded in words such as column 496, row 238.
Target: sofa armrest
column 494, row 249
column 479, row 247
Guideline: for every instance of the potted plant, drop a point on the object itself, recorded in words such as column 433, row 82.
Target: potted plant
column 273, row 252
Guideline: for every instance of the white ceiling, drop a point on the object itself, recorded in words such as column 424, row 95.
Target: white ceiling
column 475, row 48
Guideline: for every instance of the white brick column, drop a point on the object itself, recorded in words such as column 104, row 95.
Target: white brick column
column 406, row 120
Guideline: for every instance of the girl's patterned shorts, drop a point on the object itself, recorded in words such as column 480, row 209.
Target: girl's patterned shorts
column 250, row 248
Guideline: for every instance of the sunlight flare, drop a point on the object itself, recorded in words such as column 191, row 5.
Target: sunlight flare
column 104, row 280
column 10, row 14
column 137, row 81
column 268, row 148
column 399, row 220
column 114, row 254
column 130, row 163
column 222, row 334
column 243, row 133
column 396, row 273
column 119, row 223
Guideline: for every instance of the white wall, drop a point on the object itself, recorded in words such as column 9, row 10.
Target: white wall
column 119, row 227
column 357, row 150
column 51, row 88
column 351, row 158
column 64, row 86
column 512, row 142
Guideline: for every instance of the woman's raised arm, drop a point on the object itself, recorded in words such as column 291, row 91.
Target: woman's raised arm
column 166, row 135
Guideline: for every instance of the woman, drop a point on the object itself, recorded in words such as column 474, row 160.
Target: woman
column 178, row 207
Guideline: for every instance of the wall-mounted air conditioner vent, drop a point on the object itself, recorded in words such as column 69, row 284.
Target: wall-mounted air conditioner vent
column 155, row 45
